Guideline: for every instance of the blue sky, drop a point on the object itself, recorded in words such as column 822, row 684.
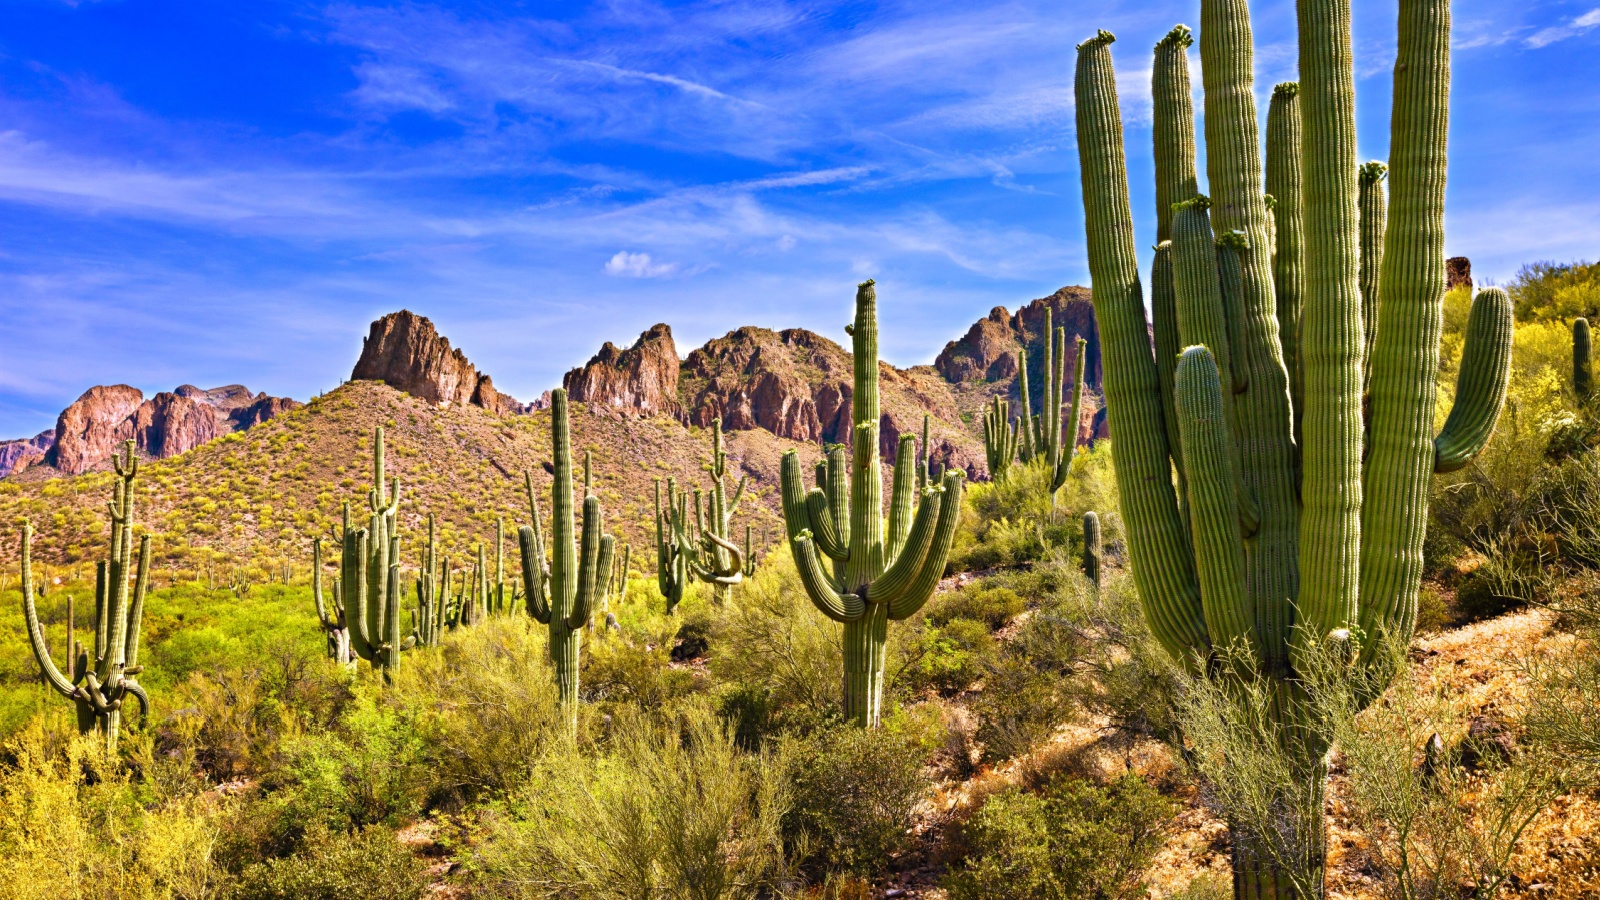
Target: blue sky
column 230, row 192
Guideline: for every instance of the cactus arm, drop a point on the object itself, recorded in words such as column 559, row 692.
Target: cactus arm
column 905, row 485
column 734, row 572
column 598, row 582
column 738, row 494
column 391, row 637
column 922, row 585
column 894, row 581
column 1207, row 443
column 1172, row 130
column 866, row 560
column 141, row 695
column 564, row 566
column 1025, row 443
column 1481, row 383
column 1405, row 355
column 316, row 584
column 36, row 638
column 1050, row 416
column 843, row 608
column 1373, row 209
column 1284, row 185
column 354, row 572
column 1163, row 565
column 141, row 586
column 1074, row 416
column 838, row 491
column 924, row 456
column 588, row 564
column 532, row 561
column 1582, row 372
column 823, row 530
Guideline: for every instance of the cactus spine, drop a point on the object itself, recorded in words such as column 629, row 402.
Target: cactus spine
column 100, row 684
column 1582, row 368
column 1337, row 568
column 1092, row 548
column 873, row 580
column 330, row 616
column 562, row 590
column 369, row 573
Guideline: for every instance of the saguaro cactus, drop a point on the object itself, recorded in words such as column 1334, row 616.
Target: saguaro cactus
column 563, row 590
column 673, row 547
column 100, row 684
column 1058, row 451
column 1332, row 560
column 876, row 577
column 329, row 615
column 999, row 439
column 1582, row 368
column 369, row 573
column 1091, row 548
column 718, row 560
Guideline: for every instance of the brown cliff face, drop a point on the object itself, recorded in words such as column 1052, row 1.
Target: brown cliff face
column 88, row 430
column 1457, row 272
column 15, row 456
column 170, row 423
column 405, row 351
column 641, row 380
column 988, row 350
column 798, row 385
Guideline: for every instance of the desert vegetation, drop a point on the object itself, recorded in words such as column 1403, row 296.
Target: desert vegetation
column 1319, row 621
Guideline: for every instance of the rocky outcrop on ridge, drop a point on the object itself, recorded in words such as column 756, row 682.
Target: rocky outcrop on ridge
column 17, row 455
column 405, row 351
column 640, row 381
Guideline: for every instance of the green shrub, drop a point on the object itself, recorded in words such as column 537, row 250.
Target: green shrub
column 948, row 658
column 993, row 605
column 852, row 793
column 1074, row 839
column 616, row 671
column 369, row 863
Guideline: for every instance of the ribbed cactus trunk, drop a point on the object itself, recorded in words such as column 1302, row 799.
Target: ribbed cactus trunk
column 1301, row 530
column 1092, row 563
column 562, row 590
column 369, row 573
column 1582, row 367
column 876, row 577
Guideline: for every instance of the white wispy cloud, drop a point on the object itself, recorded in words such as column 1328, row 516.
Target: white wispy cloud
column 637, row 265
column 1544, row 37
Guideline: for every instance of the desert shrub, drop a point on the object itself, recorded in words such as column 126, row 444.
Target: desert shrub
column 994, row 606
column 72, row 824
column 1074, row 839
column 947, row 658
column 1549, row 290
column 369, row 863
column 674, row 809
column 778, row 652
column 617, row 671
column 853, row 791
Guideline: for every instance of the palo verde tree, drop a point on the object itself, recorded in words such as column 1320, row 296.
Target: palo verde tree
column 100, row 684
column 876, row 575
column 1296, row 527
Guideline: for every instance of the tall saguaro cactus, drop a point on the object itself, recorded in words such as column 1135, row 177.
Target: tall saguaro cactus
column 100, row 684
column 329, row 615
column 876, row 577
column 1057, row 450
column 1582, row 367
column 369, row 573
column 562, row 590
column 673, row 547
column 1301, row 532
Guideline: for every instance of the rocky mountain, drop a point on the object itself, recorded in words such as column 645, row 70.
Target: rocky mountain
column 405, row 351
column 19, row 454
column 163, row 426
column 639, row 381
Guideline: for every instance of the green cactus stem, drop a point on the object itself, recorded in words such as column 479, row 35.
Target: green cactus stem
column 749, row 553
column 563, row 589
column 868, row 585
column 1092, row 550
column 1000, row 439
column 620, row 578
column 369, row 573
column 1336, row 567
column 100, row 685
column 673, row 548
column 1058, row 451
column 1582, row 368
column 329, row 615
column 717, row 560
column 1027, row 425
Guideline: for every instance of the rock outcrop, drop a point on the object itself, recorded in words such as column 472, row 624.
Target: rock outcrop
column 641, row 380
column 170, row 423
column 18, row 455
column 1457, row 272
column 405, row 351
column 987, row 352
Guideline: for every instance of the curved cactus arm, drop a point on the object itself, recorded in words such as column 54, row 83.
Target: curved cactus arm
column 1026, row 446
column 920, row 589
column 734, row 573
column 533, row 574
column 893, row 582
column 140, row 694
column 1163, row 563
column 738, row 494
column 1405, row 353
column 1207, row 445
column 36, row 639
column 838, row 491
column 353, row 571
column 589, row 548
column 749, row 555
column 823, row 523
column 1373, row 208
column 1074, row 416
column 905, row 485
column 1481, row 383
column 1582, row 369
column 844, row 608
column 141, row 586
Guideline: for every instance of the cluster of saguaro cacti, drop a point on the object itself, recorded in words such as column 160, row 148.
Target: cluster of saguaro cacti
column 701, row 548
column 1092, row 548
column 1033, row 436
column 1296, row 526
column 876, row 574
column 100, row 684
column 1582, row 368
column 562, row 591
column 369, row 573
